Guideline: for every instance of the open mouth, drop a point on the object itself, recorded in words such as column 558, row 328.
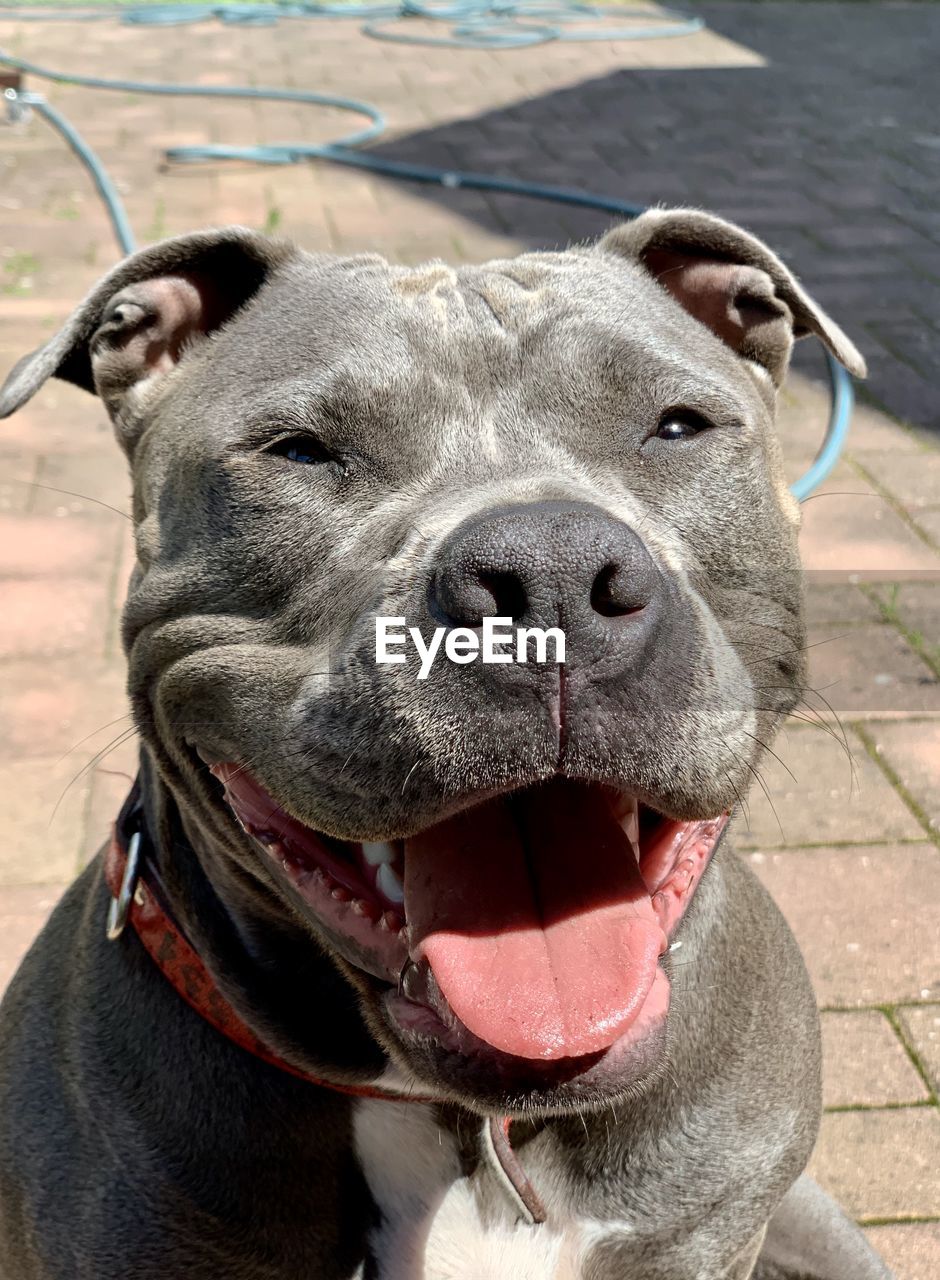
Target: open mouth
column 532, row 924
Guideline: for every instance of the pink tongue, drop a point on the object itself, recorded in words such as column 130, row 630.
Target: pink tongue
column 535, row 921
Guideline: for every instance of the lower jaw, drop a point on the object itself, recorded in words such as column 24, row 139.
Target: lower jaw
column 454, row 1059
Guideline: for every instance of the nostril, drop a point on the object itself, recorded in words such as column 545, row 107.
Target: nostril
column 510, row 599
column 611, row 596
column 465, row 596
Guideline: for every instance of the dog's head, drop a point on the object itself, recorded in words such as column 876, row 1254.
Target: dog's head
column 497, row 854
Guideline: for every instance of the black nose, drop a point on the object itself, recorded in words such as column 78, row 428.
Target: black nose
column 566, row 564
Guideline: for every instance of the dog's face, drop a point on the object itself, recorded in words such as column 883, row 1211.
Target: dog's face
column 498, row 855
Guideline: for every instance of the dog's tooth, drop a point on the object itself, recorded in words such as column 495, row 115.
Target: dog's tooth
column 339, row 894
column 368, row 910
column 630, row 825
column 378, row 853
column 389, row 883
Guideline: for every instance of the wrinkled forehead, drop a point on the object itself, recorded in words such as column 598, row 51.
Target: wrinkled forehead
column 370, row 341
column 323, row 308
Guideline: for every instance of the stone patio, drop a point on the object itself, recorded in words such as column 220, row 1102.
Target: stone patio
column 815, row 124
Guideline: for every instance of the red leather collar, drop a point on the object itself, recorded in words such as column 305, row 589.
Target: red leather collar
column 138, row 899
column 181, row 965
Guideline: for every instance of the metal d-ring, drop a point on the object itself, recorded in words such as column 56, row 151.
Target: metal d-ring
column 119, row 907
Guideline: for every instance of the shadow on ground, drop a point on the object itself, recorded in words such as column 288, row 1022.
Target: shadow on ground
column 831, row 152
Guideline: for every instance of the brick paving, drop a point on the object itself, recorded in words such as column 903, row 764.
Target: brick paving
column 833, row 117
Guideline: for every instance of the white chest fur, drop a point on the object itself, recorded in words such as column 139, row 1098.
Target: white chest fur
column 431, row 1227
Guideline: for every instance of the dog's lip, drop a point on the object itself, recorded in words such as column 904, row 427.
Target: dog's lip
column 333, row 878
column 426, row 1020
column 340, row 886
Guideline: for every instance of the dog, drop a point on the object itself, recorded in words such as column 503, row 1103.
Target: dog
column 451, row 978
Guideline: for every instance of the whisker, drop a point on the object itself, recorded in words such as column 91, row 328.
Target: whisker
column 408, row 776
column 742, row 802
column 763, row 787
column 116, row 773
column 760, row 742
column 85, row 497
column 839, row 493
column 786, row 653
column 96, row 759
column 845, row 739
column 814, row 720
column 117, row 719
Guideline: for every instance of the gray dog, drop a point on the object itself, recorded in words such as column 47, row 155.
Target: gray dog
column 398, row 978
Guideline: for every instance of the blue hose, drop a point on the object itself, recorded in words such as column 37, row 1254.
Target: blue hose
column 480, row 23
column 840, row 419
column 106, row 188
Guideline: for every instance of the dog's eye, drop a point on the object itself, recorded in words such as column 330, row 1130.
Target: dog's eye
column 306, row 450
column 681, row 424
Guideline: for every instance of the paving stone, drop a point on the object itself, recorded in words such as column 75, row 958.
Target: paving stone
column 24, row 909
column 18, row 468
column 865, row 918
column 881, row 1164
column 44, row 803
column 803, row 407
column 872, row 431
column 93, row 484
column 913, row 478
column 922, row 1024
column 864, row 1062
column 929, row 523
column 873, row 235
column 917, row 605
column 829, row 603
column 912, row 750
column 803, row 414
column 910, row 340
column 53, row 616
column 48, row 424
column 54, row 706
column 824, row 790
column 912, row 1249
column 913, row 399
column 127, row 558
column 39, row 546
column 870, row 670
column 848, row 528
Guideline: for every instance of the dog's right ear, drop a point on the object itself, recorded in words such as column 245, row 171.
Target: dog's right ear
column 138, row 323
column 732, row 283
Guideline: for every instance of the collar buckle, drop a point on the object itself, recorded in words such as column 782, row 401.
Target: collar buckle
column 119, row 908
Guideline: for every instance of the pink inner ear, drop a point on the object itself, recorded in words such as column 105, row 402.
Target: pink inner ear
column 732, row 299
column 178, row 309
column 147, row 326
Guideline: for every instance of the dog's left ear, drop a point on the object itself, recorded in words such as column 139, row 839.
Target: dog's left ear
column 140, row 321
column 732, row 283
